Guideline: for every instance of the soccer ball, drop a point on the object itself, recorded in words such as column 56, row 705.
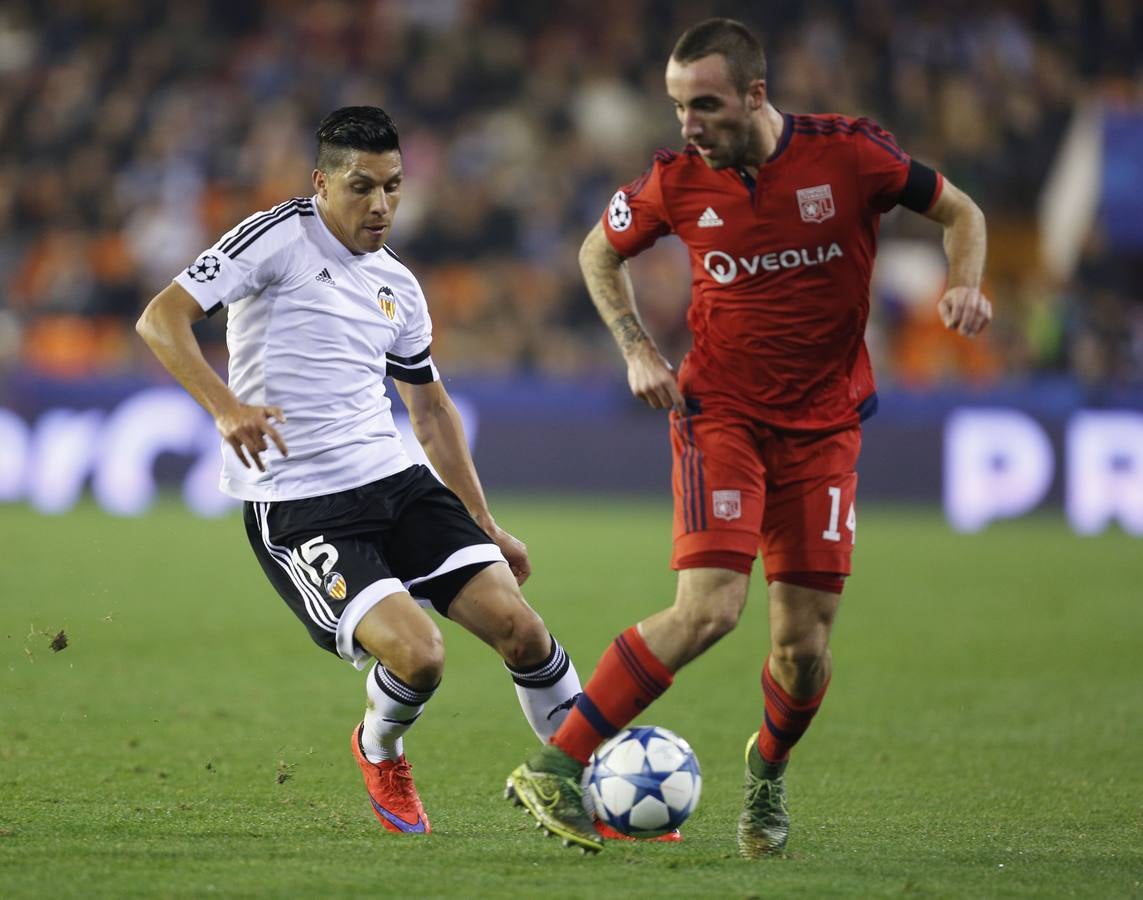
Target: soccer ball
column 644, row 781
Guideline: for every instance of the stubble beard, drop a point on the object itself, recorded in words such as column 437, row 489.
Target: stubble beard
column 743, row 148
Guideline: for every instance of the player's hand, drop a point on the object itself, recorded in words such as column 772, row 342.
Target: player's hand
column 246, row 430
column 965, row 309
column 514, row 551
column 652, row 379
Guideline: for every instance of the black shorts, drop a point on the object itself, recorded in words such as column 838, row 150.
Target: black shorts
column 333, row 557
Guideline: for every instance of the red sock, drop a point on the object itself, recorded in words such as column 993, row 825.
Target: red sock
column 786, row 719
column 627, row 680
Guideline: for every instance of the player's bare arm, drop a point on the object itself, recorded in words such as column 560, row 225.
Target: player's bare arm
column 166, row 327
column 649, row 375
column 963, row 307
column 439, row 431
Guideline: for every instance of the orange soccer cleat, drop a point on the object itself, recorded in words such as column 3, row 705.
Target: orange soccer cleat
column 608, row 833
column 392, row 793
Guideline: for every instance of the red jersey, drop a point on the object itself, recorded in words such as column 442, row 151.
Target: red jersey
column 780, row 267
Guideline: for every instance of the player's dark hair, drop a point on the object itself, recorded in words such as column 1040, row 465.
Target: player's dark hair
column 733, row 41
column 366, row 128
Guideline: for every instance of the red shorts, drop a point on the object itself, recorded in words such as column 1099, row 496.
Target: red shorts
column 741, row 487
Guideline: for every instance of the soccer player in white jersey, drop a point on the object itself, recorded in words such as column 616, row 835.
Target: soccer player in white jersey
column 355, row 537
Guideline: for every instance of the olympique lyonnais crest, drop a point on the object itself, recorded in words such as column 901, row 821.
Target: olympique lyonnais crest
column 387, row 300
column 816, row 203
column 727, row 504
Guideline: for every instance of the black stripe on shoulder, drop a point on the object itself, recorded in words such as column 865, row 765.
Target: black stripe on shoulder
column 827, row 124
column 385, row 247
column 803, row 121
column 423, row 375
column 257, row 221
column 285, row 216
column 662, row 155
column 409, row 360
column 243, row 228
column 808, row 125
column 881, row 138
column 632, row 190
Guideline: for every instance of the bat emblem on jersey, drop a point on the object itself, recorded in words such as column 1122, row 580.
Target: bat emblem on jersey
column 726, row 504
column 334, row 585
column 816, row 203
column 387, row 300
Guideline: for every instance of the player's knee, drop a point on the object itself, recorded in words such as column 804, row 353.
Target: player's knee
column 525, row 640
column 427, row 667
column 419, row 662
column 708, row 605
column 708, row 623
column 802, row 654
column 722, row 622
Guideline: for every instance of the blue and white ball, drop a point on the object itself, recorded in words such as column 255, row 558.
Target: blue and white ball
column 644, row 782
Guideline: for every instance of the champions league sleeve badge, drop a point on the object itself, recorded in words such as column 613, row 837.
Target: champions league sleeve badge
column 618, row 212
column 205, row 268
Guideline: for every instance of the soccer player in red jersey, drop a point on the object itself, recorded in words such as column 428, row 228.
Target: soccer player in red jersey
column 780, row 215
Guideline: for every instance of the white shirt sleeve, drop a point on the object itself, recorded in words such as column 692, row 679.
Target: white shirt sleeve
column 244, row 260
column 409, row 358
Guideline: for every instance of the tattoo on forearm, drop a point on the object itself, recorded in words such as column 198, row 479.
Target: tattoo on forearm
column 610, row 290
column 628, row 332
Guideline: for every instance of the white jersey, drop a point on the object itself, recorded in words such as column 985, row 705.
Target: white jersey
column 314, row 328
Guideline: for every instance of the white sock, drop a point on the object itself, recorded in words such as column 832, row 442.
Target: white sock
column 391, row 709
column 547, row 691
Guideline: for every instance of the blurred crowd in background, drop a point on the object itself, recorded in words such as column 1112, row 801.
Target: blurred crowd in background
column 132, row 135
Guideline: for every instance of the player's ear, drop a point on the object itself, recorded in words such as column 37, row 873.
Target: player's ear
column 756, row 95
column 320, row 186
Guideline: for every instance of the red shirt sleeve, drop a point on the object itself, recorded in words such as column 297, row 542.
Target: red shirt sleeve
column 882, row 166
column 636, row 217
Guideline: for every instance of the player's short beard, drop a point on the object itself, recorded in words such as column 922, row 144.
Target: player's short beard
column 748, row 146
column 743, row 149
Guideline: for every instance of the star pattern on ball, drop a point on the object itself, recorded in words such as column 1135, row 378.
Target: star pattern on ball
column 644, row 781
column 205, row 268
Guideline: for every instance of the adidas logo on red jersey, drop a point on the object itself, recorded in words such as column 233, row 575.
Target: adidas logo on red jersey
column 709, row 219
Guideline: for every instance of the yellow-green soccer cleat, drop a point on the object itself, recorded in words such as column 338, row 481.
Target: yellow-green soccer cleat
column 764, row 826
column 554, row 798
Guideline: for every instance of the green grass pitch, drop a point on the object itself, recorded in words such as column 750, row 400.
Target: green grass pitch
column 983, row 736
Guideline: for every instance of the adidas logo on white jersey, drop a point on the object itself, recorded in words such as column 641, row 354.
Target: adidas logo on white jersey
column 325, row 278
column 709, row 219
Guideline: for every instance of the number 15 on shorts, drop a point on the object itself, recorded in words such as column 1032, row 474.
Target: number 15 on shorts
column 831, row 533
